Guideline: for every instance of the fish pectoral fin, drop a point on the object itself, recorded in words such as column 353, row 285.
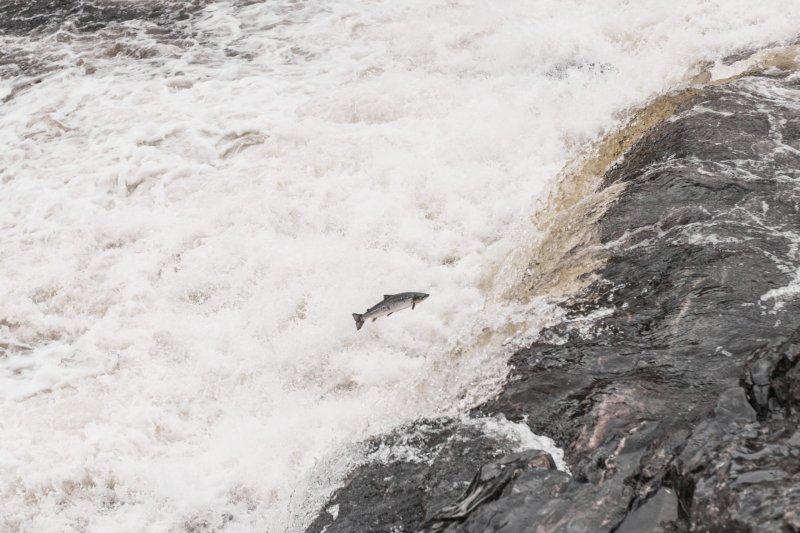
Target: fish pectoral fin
column 390, row 314
column 387, row 296
column 374, row 319
column 413, row 304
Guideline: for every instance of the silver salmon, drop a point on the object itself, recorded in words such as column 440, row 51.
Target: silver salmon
column 389, row 304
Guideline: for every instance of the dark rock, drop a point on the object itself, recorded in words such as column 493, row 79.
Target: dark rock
column 416, row 472
column 487, row 485
column 678, row 407
column 659, row 513
column 740, row 476
column 772, row 378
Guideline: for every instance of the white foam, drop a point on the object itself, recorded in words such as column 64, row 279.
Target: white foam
column 523, row 438
column 781, row 295
column 185, row 236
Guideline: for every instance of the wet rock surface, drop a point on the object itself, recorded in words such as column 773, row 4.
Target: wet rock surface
column 674, row 384
column 738, row 474
column 417, row 475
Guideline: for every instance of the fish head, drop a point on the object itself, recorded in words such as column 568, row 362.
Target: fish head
column 419, row 296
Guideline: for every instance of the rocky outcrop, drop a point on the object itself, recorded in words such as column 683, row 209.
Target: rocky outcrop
column 678, row 406
column 419, row 474
column 737, row 474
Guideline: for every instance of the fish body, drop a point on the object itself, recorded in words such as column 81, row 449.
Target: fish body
column 389, row 304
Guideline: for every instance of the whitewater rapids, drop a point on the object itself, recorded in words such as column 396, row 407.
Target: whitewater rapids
column 189, row 217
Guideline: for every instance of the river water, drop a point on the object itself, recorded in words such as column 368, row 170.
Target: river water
column 194, row 198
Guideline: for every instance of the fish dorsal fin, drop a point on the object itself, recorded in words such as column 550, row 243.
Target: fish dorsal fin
column 387, row 296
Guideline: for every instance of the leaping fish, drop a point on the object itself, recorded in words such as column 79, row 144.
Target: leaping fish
column 390, row 304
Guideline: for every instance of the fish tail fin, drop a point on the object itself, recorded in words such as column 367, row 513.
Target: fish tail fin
column 359, row 320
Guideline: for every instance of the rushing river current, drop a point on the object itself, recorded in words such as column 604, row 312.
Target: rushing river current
column 195, row 196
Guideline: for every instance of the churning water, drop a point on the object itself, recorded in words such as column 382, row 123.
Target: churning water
column 191, row 208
